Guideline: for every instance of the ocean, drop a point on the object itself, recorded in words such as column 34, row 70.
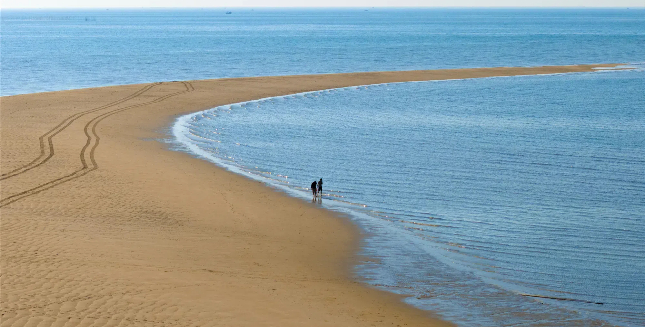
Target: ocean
column 495, row 202
column 66, row 49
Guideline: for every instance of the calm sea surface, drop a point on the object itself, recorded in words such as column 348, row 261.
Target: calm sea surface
column 56, row 50
column 497, row 201
column 520, row 199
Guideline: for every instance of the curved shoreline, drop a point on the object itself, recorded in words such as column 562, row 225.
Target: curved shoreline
column 106, row 224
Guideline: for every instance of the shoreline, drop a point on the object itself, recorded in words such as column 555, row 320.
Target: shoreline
column 107, row 223
column 581, row 68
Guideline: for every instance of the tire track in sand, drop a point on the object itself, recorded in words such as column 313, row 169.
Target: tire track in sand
column 47, row 152
column 92, row 143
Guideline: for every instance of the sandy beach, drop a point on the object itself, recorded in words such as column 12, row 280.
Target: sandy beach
column 101, row 224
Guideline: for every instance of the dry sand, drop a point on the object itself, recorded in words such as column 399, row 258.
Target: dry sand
column 102, row 225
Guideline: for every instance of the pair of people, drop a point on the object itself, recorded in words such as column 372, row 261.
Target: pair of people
column 316, row 188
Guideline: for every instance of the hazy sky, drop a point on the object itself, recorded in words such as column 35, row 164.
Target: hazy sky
column 315, row 3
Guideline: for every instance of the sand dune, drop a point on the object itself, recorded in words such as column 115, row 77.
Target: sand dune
column 102, row 225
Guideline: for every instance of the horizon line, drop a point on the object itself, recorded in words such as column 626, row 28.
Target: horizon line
column 339, row 7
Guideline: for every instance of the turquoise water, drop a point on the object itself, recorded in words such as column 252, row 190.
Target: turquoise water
column 520, row 199
column 498, row 201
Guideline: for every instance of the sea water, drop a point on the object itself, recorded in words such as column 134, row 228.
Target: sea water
column 494, row 201
column 497, row 201
column 65, row 49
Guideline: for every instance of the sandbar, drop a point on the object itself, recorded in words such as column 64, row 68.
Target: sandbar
column 102, row 225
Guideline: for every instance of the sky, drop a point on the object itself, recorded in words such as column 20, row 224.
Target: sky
column 312, row 3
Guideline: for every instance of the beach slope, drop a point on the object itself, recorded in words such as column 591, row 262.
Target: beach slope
column 102, row 225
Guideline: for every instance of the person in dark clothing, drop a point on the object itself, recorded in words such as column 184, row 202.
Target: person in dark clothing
column 320, row 187
column 314, row 189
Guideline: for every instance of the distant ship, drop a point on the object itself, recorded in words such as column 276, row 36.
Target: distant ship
column 229, row 12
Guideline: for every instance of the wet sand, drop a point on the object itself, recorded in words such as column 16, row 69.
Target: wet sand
column 102, row 225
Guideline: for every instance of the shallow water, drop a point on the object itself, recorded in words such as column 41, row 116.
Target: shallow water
column 520, row 199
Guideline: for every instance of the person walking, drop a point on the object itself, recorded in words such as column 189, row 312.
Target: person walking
column 314, row 189
column 320, row 188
